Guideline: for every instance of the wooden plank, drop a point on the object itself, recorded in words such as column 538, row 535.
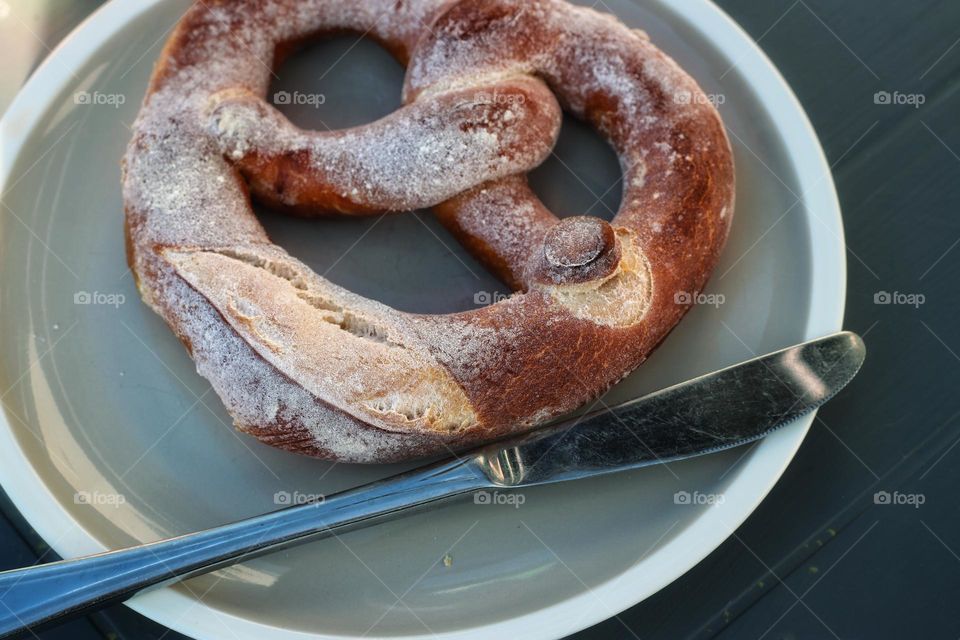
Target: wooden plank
column 837, row 55
column 16, row 552
column 871, row 570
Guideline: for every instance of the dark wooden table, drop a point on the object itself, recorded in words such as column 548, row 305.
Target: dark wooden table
column 822, row 557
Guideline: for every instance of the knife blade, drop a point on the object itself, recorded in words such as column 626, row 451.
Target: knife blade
column 718, row 411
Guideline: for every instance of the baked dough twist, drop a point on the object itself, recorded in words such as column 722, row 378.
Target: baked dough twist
column 305, row 365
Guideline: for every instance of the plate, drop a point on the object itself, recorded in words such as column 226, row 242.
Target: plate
column 109, row 438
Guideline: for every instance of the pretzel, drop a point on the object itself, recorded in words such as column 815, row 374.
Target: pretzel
column 308, row 366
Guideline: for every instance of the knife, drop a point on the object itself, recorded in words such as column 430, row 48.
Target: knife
column 714, row 412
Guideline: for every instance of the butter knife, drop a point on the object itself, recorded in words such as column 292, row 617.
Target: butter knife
column 714, row 412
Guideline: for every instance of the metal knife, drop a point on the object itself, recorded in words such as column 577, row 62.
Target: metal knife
column 714, row 412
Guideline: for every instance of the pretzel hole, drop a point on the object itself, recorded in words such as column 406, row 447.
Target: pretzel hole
column 582, row 176
column 336, row 82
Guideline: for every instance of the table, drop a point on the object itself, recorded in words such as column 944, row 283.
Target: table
column 840, row 548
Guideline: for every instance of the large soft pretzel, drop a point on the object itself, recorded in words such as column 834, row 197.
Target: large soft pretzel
column 305, row 365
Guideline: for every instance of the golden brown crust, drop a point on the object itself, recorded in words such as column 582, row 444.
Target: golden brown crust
column 501, row 127
column 307, row 366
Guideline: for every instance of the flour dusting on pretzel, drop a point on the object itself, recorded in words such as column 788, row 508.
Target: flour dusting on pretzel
column 308, row 366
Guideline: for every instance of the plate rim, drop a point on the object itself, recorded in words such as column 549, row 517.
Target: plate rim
column 827, row 301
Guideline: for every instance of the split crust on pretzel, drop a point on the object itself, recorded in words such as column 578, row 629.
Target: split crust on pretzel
column 308, row 366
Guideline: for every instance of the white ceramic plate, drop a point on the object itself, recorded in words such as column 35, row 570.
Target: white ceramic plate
column 100, row 400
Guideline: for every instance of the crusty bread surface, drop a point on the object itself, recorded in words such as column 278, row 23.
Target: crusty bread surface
column 308, row 366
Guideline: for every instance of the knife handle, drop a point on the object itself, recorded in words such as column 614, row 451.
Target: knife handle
column 42, row 594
